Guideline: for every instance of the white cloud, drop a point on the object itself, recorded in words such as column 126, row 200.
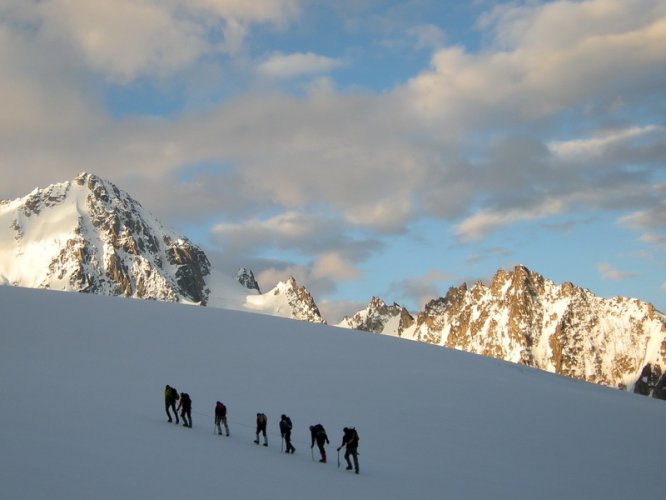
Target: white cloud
column 479, row 225
column 335, row 267
column 128, row 39
column 545, row 59
column 653, row 238
column 655, row 217
column 597, row 145
column 297, row 64
column 421, row 289
column 608, row 272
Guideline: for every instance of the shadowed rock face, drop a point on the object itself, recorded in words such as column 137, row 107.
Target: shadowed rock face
column 524, row 318
column 246, row 278
column 116, row 247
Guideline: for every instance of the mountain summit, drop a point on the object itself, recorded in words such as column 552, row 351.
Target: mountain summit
column 87, row 235
column 522, row 317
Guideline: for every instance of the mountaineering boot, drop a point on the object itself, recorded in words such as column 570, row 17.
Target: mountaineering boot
column 349, row 467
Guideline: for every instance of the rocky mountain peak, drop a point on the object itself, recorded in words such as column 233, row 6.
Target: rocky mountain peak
column 93, row 237
column 522, row 317
column 246, row 278
column 378, row 317
column 299, row 300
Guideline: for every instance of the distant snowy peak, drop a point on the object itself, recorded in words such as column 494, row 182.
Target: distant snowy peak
column 288, row 300
column 522, row 317
column 246, row 278
column 379, row 317
column 87, row 235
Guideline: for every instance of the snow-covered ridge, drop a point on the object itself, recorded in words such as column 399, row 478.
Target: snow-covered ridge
column 87, row 235
column 525, row 318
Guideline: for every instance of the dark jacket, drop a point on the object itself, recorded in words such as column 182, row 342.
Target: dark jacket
column 318, row 434
column 185, row 402
column 285, row 425
column 350, row 439
column 220, row 410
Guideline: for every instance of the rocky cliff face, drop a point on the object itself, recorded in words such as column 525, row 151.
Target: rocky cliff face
column 246, row 278
column 87, row 235
column 524, row 318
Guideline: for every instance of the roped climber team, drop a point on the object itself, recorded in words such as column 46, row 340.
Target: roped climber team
column 317, row 432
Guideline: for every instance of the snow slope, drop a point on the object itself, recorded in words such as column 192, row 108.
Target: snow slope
column 82, row 378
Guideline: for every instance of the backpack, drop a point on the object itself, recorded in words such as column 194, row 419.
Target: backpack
column 171, row 394
column 186, row 402
column 288, row 422
column 220, row 409
column 261, row 418
column 352, row 437
column 285, row 424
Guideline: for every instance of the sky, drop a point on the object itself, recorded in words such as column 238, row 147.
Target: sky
column 86, row 377
column 368, row 148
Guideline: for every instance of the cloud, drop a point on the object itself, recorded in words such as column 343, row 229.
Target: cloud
column 654, row 218
column 323, row 250
column 419, row 290
column 544, row 59
column 653, row 238
column 128, row 39
column 479, row 225
column 608, row 272
column 427, row 36
column 297, row 64
column 597, row 145
column 334, row 266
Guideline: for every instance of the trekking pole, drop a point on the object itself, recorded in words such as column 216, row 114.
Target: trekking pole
column 312, row 453
column 282, row 444
column 338, row 458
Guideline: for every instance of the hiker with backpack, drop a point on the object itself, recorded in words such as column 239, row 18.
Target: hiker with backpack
column 185, row 405
column 350, row 440
column 221, row 418
column 318, row 434
column 170, row 398
column 285, row 430
column 261, row 428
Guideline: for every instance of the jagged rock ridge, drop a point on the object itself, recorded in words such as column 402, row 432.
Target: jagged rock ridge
column 524, row 318
column 289, row 300
column 87, row 235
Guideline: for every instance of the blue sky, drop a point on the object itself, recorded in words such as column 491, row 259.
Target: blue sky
column 364, row 147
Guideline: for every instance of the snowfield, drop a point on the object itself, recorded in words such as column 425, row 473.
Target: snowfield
column 82, row 379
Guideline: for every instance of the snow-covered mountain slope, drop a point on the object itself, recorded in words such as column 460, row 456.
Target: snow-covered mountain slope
column 286, row 300
column 82, row 379
column 524, row 318
column 87, row 235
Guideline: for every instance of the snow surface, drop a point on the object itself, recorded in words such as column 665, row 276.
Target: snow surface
column 82, row 379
